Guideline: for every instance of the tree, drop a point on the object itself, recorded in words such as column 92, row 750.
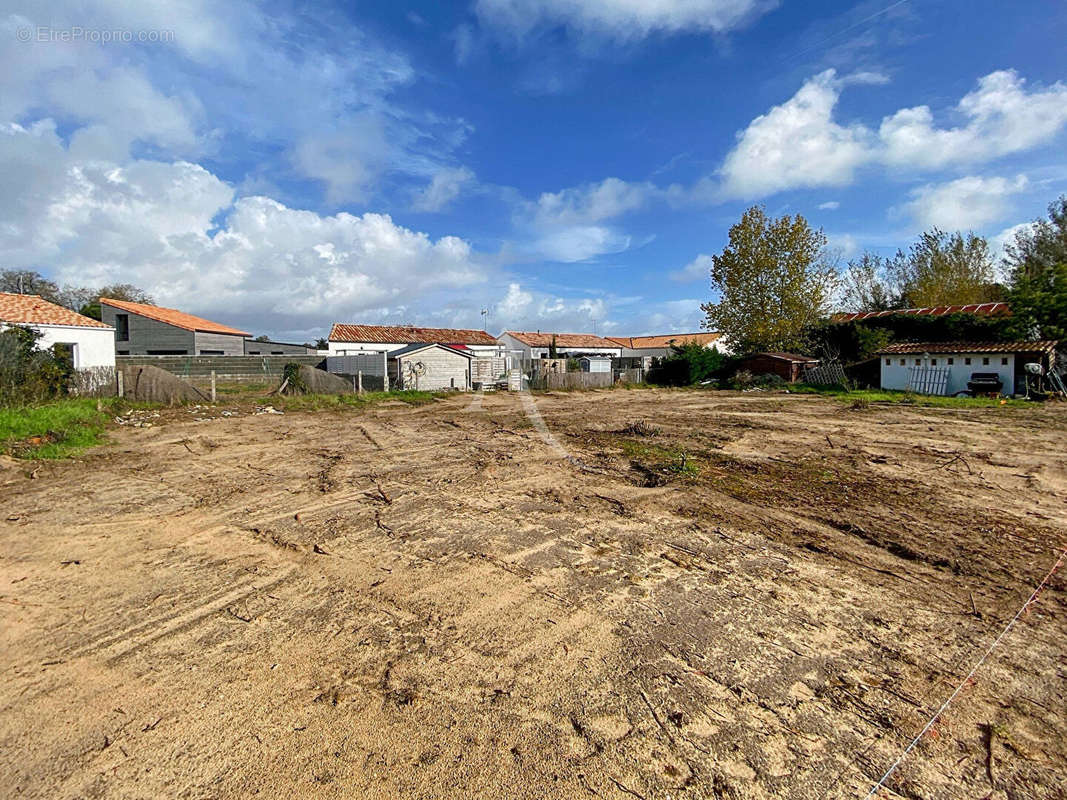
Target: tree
column 115, row 291
column 27, row 281
column 774, row 280
column 943, row 269
column 867, row 284
column 552, row 352
column 1036, row 263
column 322, row 344
column 262, row 338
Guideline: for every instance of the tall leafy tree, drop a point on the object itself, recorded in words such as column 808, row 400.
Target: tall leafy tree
column 944, row 269
column 27, row 281
column 867, row 284
column 1036, row 263
column 115, row 291
column 774, row 279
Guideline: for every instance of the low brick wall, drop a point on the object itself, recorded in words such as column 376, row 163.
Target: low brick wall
column 228, row 369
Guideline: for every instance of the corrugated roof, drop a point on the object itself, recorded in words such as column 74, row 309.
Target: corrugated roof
column 537, row 339
column 901, row 348
column 981, row 309
column 665, row 340
column 403, row 334
column 172, row 316
column 28, row 309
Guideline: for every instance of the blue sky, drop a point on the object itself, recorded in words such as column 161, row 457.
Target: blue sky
column 563, row 163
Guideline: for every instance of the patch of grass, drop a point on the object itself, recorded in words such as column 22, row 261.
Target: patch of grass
column 326, row 402
column 905, row 398
column 59, row 429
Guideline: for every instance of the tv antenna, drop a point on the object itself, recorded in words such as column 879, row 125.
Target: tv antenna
column 485, row 319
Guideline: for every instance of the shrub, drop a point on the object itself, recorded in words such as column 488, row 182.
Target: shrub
column 29, row 375
column 688, row 364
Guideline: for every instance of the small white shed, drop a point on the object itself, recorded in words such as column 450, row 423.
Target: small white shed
column 595, row 363
column 945, row 368
column 430, row 367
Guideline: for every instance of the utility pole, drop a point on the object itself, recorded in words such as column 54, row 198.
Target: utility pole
column 485, row 319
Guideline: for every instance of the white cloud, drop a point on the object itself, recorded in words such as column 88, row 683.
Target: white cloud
column 699, row 269
column 157, row 225
column 579, row 243
column 591, row 203
column 963, row 204
column 796, row 145
column 443, row 189
column 527, row 309
column 621, row 19
column 799, row 144
column 1001, row 117
column 829, row 205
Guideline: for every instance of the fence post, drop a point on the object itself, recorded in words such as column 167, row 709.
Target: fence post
column 118, row 380
column 359, row 381
column 212, row 386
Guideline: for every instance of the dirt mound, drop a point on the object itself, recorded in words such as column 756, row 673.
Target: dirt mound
column 314, row 381
column 149, row 384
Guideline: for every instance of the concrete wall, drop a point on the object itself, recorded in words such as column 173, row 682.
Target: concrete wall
column 896, row 369
column 147, row 334
column 93, row 347
column 227, row 343
column 228, row 369
column 371, row 365
column 444, row 369
column 254, row 348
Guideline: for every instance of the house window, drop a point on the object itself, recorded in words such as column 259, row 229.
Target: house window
column 985, row 361
column 902, row 362
column 123, row 352
column 887, row 362
column 212, row 352
column 167, row 352
column 918, row 362
column 122, row 327
column 1004, row 362
column 967, row 362
column 951, row 361
column 933, row 362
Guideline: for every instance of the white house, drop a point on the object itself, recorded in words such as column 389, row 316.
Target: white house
column 89, row 342
column 946, row 367
column 350, row 340
column 661, row 346
column 531, row 345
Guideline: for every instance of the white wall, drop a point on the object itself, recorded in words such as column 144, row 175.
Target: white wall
column 354, row 348
column 895, row 375
column 94, row 347
column 542, row 352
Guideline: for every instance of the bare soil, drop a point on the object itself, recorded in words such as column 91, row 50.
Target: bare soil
column 683, row 594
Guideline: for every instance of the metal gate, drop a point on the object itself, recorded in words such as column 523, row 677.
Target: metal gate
column 927, row 380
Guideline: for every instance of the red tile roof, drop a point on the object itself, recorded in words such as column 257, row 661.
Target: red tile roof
column 981, row 309
column 171, row 316
column 569, row 340
column 27, row 309
column 640, row 342
column 899, row 348
column 406, row 334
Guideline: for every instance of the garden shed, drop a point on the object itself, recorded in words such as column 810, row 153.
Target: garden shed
column 787, row 366
column 430, row 367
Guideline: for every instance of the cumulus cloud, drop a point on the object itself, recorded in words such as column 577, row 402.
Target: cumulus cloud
column 176, row 230
column 628, row 19
column 796, row 145
column 965, row 203
column 699, row 269
column 527, row 309
column 444, row 187
column 1000, row 115
column 799, row 144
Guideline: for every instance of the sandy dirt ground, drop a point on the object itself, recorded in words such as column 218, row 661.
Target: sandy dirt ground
column 683, row 595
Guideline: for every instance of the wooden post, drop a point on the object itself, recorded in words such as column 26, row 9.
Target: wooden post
column 119, row 387
column 212, row 386
column 359, row 381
